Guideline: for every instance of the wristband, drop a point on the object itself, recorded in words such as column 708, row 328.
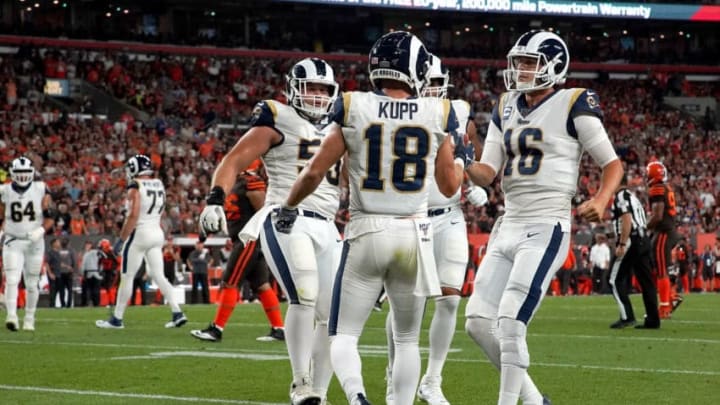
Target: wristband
column 216, row 196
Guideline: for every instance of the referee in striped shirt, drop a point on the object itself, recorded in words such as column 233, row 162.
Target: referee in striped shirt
column 632, row 254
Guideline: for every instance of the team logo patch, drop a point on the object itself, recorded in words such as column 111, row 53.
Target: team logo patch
column 591, row 99
column 506, row 112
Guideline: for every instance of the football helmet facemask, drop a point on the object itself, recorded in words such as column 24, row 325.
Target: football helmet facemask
column 656, row 173
column 399, row 56
column 138, row 165
column 437, row 79
column 302, row 96
column 549, row 55
column 22, row 171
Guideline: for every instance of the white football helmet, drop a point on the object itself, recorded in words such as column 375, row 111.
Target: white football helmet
column 138, row 165
column 437, row 79
column 547, row 52
column 311, row 71
column 22, row 171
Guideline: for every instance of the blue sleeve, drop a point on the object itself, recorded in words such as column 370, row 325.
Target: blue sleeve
column 337, row 114
column 586, row 102
column 452, row 121
column 496, row 116
column 262, row 115
column 133, row 184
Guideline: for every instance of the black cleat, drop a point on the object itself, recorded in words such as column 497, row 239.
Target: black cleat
column 676, row 303
column 276, row 334
column 209, row 334
column 622, row 323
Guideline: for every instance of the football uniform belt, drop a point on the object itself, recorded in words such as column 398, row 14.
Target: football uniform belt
column 438, row 211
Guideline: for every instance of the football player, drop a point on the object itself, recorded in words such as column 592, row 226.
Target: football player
column 247, row 196
column 395, row 143
column 535, row 139
column 286, row 137
column 662, row 222
column 142, row 237
column 25, row 211
column 450, row 250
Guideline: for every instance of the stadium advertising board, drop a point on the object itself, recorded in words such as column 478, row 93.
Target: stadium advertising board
column 601, row 9
column 57, row 87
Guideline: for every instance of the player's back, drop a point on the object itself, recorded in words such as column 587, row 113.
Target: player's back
column 283, row 162
column 23, row 210
column 542, row 154
column 392, row 144
column 152, row 201
column 662, row 192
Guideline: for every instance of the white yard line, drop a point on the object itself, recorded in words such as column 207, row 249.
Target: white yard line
column 132, row 395
column 365, row 350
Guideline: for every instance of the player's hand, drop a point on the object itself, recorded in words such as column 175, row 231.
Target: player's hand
column 36, row 234
column 117, row 247
column 212, row 217
column 285, row 219
column 464, row 152
column 592, row 210
column 620, row 251
column 476, row 195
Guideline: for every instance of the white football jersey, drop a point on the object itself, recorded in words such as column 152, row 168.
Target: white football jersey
column 541, row 152
column 152, row 200
column 436, row 199
column 283, row 162
column 23, row 211
column 392, row 145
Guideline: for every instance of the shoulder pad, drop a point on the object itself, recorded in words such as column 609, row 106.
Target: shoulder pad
column 133, row 184
column 585, row 102
column 263, row 115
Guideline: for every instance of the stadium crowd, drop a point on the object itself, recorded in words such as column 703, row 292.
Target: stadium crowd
column 187, row 97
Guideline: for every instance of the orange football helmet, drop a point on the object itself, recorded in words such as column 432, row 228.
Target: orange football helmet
column 656, row 173
column 105, row 245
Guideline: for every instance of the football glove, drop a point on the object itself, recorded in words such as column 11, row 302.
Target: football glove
column 285, row 219
column 36, row 234
column 212, row 217
column 476, row 195
column 463, row 153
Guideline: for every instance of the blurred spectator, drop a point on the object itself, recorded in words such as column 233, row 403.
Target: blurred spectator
column 198, row 262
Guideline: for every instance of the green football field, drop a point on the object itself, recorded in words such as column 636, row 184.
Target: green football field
column 575, row 358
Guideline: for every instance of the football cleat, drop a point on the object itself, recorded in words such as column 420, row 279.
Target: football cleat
column 546, row 400
column 178, row 320
column 29, row 323
column 676, row 303
column 429, row 391
column 301, row 393
column 112, row 323
column 360, row 400
column 276, row 334
column 622, row 323
column 210, row 334
column 12, row 323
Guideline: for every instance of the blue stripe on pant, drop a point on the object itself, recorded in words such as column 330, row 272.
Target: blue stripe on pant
column 279, row 259
column 125, row 251
column 337, row 287
column 536, row 292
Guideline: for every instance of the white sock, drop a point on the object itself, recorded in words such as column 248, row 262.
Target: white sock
column 123, row 295
column 347, row 364
column 298, row 338
column 442, row 330
column 33, row 294
column 482, row 331
column 167, row 291
column 11, row 295
column 322, row 371
column 406, row 372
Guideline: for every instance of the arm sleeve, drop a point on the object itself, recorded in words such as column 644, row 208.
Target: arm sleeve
column 493, row 153
column 592, row 136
